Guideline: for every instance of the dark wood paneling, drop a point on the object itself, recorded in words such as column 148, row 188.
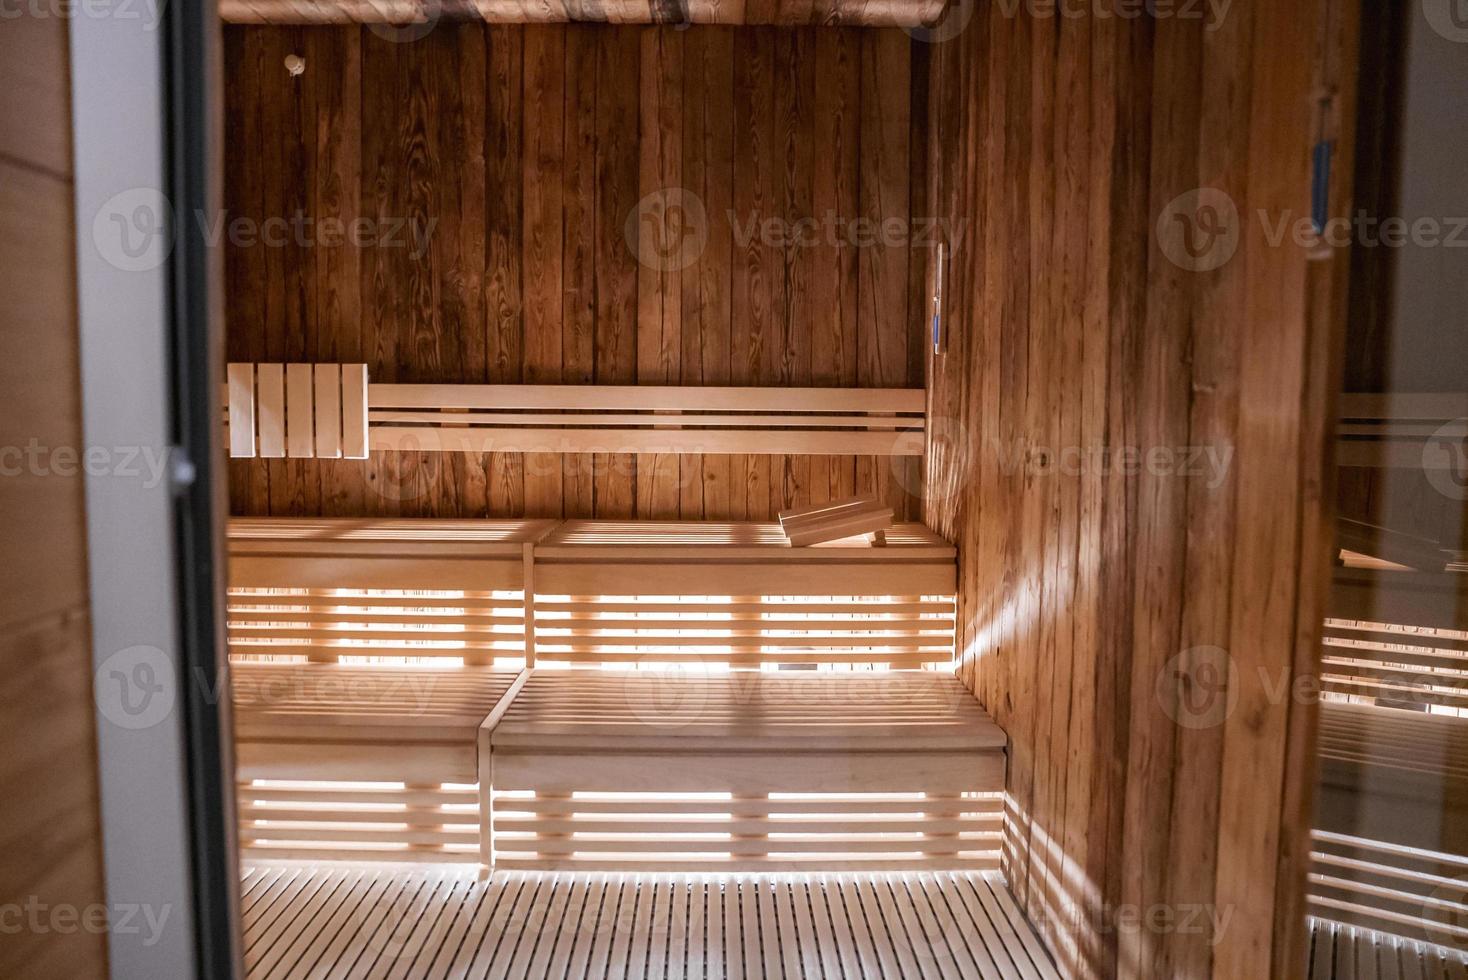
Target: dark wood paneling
column 515, row 157
column 1087, row 583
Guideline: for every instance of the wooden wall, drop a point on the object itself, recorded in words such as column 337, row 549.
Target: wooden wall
column 1135, row 622
column 50, row 838
column 527, row 148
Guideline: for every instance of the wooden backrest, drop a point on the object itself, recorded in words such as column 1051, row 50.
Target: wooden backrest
column 602, row 592
column 1409, row 431
column 316, row 410
column 1397, row 638
column 332, row 589
column 1403, row 891
column 654, row 592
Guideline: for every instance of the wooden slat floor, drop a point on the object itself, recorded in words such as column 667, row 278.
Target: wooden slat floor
column 343, row 921
column 1343, row 952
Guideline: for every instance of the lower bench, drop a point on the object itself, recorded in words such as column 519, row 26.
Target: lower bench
column 375, row 762
column 751, row 770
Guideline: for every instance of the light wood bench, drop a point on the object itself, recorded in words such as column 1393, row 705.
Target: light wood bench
column 1397, row 638
column 308, row 735
column 363, row 662
column 770, row 770
column 332, row 589
column 372, row 660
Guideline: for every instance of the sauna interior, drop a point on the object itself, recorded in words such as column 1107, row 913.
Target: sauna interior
column 834, row 489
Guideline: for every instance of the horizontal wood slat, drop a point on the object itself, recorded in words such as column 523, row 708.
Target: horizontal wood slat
column 325, row 589
column 580, row 418
column 757, row 770
column 725, row 593
column 1397, row 665
column 1411, row 431
column 1403, row 891
column 290, row 819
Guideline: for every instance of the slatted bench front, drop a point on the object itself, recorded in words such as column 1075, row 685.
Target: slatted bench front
column 360, row 591
column 758, row 770
column 737, row 593
column 362, row 762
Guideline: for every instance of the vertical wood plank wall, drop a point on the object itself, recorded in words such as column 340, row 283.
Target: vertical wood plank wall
column 516, row 155
column 50, row 837
column 1094, row 583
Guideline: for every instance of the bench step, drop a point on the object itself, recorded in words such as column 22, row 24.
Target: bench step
column 642, row 770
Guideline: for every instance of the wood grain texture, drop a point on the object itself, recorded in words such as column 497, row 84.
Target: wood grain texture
column 50, row 833
column 383, row 921
column 536, row 186
column 1089, row 586
column 413, row 16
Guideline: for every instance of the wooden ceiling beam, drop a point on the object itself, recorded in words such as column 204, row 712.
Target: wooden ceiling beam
column 790, row 13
